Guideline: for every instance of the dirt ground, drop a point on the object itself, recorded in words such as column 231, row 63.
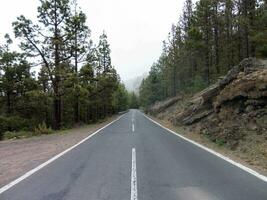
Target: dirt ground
column 242, row 157
column 19, row 156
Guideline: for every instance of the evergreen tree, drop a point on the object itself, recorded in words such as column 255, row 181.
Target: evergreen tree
column 104, row 59
column 134, row 101
column 50, row 41
column 210, row 37
column 79, row 34
column 63, row 93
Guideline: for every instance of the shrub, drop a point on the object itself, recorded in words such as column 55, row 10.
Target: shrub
column 13, row 124
column 3, row 126
column 263, row 50
column 42, row 129
column 16, row 123
column 17, row 134
column 220, row 142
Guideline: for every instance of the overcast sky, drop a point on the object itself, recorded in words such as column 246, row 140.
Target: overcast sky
column 135, row 28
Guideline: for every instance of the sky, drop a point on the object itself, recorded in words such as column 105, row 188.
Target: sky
column 135, row 28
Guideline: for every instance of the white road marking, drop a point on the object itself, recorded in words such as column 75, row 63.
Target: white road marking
column 31, row 172
column 132, row 127
column 133, row 177
column 251, row 171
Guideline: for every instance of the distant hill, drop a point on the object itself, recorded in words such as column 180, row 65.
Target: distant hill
column 132, row 85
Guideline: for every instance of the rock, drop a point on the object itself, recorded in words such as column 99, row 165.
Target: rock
column 196, row 117
column 159, row 107
column 233, row 110
column 231, row 75
column 249, row 108
column 206, row 95
column 245, row 86
column 252, row 86
column 256, row 102
column 247, row 65
column 252, row 126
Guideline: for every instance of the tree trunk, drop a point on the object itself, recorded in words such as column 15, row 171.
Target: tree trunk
column 174, row 81
column 8, row 103
column 229, row 35
column 244, row 11
column 76, row 110
column 57, row 113
column 239, row 30
column 76, row 104
column 252, row 13
column 207, row 52
column 216, row 37
column 57, row 97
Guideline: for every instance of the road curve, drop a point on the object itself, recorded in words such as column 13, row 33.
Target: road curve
column 134, row 158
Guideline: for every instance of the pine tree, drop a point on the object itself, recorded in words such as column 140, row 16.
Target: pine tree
column 50, row 41
column 79, row 34
column 104, row 59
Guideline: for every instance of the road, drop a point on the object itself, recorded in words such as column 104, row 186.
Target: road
column 134, row 158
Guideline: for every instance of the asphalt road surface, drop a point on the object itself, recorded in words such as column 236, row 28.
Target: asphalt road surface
column 134, row 158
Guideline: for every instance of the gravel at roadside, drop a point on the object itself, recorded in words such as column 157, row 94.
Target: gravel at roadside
column 19, row 156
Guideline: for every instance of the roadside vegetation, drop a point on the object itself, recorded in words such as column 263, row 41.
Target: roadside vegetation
column 210, row 82
column 57, row 77
column 210, row 38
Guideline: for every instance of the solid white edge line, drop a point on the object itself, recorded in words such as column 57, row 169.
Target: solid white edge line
column 31, row 172
column 134, row 195
column 247, row 169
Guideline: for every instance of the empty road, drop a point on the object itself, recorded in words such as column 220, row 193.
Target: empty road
column 134, row 158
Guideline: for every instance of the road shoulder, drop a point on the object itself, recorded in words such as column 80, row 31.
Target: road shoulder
column 19, row 156
column 201, row 139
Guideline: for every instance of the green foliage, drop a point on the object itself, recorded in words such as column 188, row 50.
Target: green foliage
column 196, row 85
column 103, row 54
column 263, row 51
column 42, row 129
column 260, row 40
column 17, row 134
column 220, row 142
column 134, row 101
column 210, row 38
column 120, row 99
column 13, row 123
column 76, row 84
column 259, row 30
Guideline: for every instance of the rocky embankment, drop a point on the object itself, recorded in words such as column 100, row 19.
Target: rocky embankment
column 231, row 113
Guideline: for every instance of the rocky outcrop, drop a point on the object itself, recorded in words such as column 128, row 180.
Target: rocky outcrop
column 226, row 110
column 247, row 81
column 251, row 87
column 161, row 106
column 231, row 112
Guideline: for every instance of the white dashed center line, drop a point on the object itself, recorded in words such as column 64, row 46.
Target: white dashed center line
column 132, row 127
column 133, row 177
